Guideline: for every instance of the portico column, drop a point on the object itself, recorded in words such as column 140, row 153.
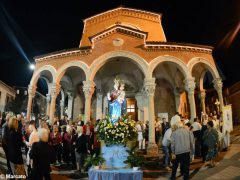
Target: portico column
column 54, row 90
column 202, row 98
column 48, row 98
column 149, row 88
column 177, row 100
column 105, row 106
column 62, row 107
column 99, row 104
column 88, row 89
column 190, row 87
column 70, row 104
column 31, row 94
column 218, row 86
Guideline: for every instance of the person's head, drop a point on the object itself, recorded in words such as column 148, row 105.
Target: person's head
column 8, row 117
column 65, row 117
column 31, row 128
column 13, row 123
column 69, row 129
column 63, row 128
column 174, row 127
column 176, row 113
column 180, row 124
column 164, row 119
column 32, row 122
column 55, row 129
column 210, row 124
column 43, row 134
column 195, row 120
column 56, row 119
column 79, row 129
column 188, row 125
column 19, row 117
column 45, row 125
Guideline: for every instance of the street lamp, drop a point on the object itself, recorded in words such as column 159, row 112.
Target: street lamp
column 31, row 66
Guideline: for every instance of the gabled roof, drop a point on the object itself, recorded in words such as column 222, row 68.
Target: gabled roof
column 125, row 9
column 119, row 28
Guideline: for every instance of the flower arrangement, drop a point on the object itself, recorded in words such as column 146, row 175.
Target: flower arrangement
column 121, row 132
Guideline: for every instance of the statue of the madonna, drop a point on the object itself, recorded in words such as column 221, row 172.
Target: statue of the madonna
column 115, row 100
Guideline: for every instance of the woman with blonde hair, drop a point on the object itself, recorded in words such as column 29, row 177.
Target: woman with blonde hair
column 14, row 144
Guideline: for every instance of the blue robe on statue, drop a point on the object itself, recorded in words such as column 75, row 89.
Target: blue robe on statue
column 114, row 110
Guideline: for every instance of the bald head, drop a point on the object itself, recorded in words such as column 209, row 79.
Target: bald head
column 43, row 134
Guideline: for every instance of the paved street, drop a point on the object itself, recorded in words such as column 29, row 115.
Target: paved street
column 228, row 166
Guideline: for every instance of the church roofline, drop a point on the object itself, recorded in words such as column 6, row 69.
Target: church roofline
column 64, row 52
column 149, row 46
column 124, row 8
column 159, row 43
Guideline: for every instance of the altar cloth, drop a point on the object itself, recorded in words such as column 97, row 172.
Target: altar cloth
column 112, row 174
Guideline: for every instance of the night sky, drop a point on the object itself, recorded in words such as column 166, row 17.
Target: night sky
column 31, row 28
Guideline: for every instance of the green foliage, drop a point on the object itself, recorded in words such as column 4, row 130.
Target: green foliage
column 134, row 158
column 93, row 160
column 118, row 133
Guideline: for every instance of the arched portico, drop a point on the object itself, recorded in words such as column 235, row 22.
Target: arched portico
column 61, row 71
column 166, row 58
column 37, row 74
column 48, row 73
column 100, row 61
column 64, row 74
column 210, row 67
column 199, row 67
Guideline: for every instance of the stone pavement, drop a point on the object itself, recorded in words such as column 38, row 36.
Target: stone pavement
column 227, row 168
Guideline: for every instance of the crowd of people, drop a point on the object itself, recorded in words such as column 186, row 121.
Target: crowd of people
column 182, row 141
column 32, row 147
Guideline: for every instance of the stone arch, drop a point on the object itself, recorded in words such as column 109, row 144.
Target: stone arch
column 210, row 67
column 100, row 61
column 166, row 58
column 201, row 79
column 37, row 74
column 61, row 71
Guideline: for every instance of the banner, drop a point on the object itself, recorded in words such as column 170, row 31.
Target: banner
column 227, row 119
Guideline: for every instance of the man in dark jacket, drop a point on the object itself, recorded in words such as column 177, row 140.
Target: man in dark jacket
column 81, row 148
column 165, row 126
column 42, row 155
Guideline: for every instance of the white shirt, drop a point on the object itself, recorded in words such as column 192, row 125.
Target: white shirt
column 167, row 137
column 196, row 126
column 175, row 120
column 140, row 133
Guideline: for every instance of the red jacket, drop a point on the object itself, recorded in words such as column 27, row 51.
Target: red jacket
column 55, row 140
